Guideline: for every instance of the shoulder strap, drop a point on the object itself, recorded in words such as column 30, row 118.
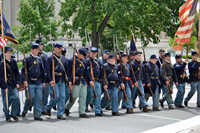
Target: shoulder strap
column 80, row 62
column 34, row 63
column 61, row 65
column 9, row 68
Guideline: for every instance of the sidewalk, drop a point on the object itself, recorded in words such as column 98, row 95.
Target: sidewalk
column 195, row 129
column 191, row 125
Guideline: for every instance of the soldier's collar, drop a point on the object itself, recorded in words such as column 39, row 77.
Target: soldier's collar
column 151, row 63
column 167, row 61
column 93, row 58
column 8, row 60
column 56, row 55
column 33, row 56
column 137, row 61
column 111, row 64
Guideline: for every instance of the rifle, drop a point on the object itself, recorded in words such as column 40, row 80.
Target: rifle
column 26, row 73
column 91, row 70
column 129, row 60
column 53, row 75
column 104, row 74
column 124, row 92
column 92, row 76
column 147, row 75
column 170, row 90
column 73, row 73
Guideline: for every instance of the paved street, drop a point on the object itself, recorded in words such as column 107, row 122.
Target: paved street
column 165, row 120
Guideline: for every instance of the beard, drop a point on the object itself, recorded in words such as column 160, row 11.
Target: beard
column 112, row 63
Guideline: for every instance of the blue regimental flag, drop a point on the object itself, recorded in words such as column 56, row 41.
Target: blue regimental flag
column 132, row 44
column 7, row 32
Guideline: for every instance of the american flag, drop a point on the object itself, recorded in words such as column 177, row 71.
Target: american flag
column 1, row 42
column 186, row 16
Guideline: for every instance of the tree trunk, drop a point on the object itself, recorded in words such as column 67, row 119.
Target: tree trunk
column 97, row 35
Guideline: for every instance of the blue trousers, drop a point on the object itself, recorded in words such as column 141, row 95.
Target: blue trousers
column 114, row 94
column 180, row 94
column 60, row 98
column 155, row 97
column 194, row 86
column 143, row 102
column 13, row 99
column 35, row 93
column 67, row 93
column 45, row 96
column 90, row 95
column 133, row 95
column 128, row 103
column 163, row 90
column 167, row 96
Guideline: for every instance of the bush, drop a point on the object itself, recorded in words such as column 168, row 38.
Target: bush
column 189, row 57
column 19, row 64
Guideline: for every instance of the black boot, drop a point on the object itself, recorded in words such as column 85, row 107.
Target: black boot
column 129, row 111
column 66, row 112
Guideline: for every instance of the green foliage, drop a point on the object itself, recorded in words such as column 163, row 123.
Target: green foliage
column 39, row 15
column 145, row 18
column 19, row 64
column 189, row 57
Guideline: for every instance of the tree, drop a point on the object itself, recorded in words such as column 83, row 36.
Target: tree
column 39, row 16
column 146, row 18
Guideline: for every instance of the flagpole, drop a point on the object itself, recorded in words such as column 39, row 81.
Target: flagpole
column 199, row 31
column 199, row 40
column 3, row 51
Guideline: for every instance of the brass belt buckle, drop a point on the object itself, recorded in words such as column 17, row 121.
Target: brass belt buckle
column 156, row 77
column 181, row 76
column 60, row 73
column 81, row 77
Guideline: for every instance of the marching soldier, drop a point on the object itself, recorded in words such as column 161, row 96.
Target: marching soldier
column 36, row 82
column 181, row 75
column 128, row 83
column 13, row 81
column 154, row 77
column 60, row 67
column 113, row 87
column 138, row 71
column 19, row 109
column 133, row 90
column 45, row 91
column 168, row 76
column 159, row 62
column 194, row 81
column 106, row 53
column 80, row 87
column 96, row 67
column 63, row 53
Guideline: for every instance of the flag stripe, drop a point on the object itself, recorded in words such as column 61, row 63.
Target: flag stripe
column 185, row 5
column 187, row 16
column 188, row 22
column 185, row 31
column 184, row 13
